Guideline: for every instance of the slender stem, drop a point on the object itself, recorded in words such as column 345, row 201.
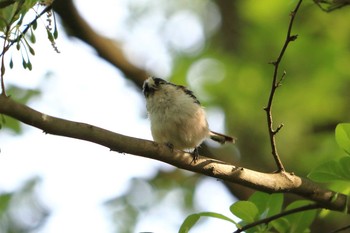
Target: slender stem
column 22, row 34
column 275, row 84
column 8, row 43
column 2, row 73
column 3, row 92
column 280, row 215
column 341, row 229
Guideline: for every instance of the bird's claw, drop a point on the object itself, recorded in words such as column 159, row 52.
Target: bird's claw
column 170, row 146
column 195, row 155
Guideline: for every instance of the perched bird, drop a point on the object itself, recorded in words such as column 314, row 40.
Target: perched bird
column 177, row 117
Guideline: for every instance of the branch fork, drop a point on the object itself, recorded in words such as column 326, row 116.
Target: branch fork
column 275, row 84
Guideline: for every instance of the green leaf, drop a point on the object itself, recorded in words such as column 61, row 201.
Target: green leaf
column 22, row 96
column 12, row 124
column 217, row 215
column 5, row 199
column 282, row 225
column 342, row 136
column 245, row 210
column 31, row 50
column 50, row 36
column 29, row 65
column 300, row 222
column 5, row 3
column 192, row 219
column 26, row 6
column 24, row 63
column 189, row 223
column 32, row 38
column 344, row 168
column 332, row 171
column 55, row 32
column 267, row 204
column 11, row 63
column 7, row 15
column 35, row 25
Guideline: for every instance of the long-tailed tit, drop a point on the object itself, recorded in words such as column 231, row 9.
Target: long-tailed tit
column 177, row 118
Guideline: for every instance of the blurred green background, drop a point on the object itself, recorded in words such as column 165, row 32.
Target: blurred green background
column 228, row 69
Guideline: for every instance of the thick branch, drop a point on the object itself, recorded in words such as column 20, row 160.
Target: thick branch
column 107, row 48
column 276, row 182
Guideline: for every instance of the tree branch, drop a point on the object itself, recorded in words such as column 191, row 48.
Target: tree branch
column 341, row 229
column 275, row 84
column 107, row 48
column 331, row 5
column 270, row 183
column 277, row 216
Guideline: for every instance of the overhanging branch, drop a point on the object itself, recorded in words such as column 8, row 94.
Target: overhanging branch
column 108, row 49
column 270, row 183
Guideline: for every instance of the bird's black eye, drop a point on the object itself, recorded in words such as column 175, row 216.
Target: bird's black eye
column 158, row 81
column 151, row 85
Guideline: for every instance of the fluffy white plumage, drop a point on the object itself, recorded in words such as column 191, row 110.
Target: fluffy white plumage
column 177, row 118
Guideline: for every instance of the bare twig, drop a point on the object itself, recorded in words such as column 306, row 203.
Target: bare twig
column 277, row 216
column 341, row 229
column 2, row 73
column 331, row 5
column 275, row 84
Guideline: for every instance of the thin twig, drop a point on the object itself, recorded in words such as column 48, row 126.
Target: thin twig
column 279, row 83
column 275, row 84
column 280, row 215
column 341, row 229
column 22, row 34
column 8, row 43
column 335, row 5
column 2, row 73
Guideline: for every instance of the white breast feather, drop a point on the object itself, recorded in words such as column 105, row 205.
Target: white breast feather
column 179, row 121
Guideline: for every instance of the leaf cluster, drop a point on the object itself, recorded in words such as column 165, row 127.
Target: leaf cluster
column 260, row 206
column 16, row 29
column 12, row 17
column 336, row 172
column 264, row 213
column 21, row 210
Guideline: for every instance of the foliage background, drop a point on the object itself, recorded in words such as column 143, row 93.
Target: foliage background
column 221, row 50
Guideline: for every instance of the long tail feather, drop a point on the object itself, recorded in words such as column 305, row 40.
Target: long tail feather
column 221, row 138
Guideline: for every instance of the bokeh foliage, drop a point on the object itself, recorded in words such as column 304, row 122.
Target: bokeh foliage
column 235, row 77
column 21, row 210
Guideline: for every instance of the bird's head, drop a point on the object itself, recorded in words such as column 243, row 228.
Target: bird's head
column 152, row 84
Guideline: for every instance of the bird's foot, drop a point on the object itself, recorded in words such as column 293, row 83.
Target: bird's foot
column 195, row 155
column 170, row 146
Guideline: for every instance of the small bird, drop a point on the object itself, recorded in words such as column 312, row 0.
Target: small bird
column 177, row 117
